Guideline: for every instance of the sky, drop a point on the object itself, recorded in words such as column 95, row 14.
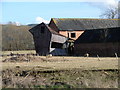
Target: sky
column 35, row 12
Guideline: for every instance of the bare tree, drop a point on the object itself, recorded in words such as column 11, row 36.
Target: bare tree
column 110, row 13
column 119, row 10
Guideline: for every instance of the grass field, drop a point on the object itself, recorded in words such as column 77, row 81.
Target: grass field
column 20, row 52
column 53, row 62
column 59, row 72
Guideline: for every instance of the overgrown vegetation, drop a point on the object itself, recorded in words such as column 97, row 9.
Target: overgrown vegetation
column 59, row 72
column 16, row 38
column 76, row 78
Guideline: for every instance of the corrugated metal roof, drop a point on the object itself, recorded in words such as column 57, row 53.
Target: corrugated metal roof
column 84, row 24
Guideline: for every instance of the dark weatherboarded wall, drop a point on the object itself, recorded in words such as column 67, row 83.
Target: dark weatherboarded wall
column 104, row 42
column 48, row 41
column 42, row 38
column 101, row 49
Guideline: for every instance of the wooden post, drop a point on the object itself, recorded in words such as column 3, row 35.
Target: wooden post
column 98, row 57
column 116, row 56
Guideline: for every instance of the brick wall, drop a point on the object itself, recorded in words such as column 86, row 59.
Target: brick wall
column 65, row 33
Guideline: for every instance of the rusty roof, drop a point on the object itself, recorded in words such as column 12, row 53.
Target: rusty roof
column 84, row 23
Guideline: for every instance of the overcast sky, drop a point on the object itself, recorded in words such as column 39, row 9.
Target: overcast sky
column 36, row 12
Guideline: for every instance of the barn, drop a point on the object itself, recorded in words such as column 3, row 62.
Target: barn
column 48, row 41
column 77, row 36
column 101, row 42
column 69, row 27
column 85, row 33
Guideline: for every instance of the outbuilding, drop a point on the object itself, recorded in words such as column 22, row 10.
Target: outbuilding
column 48, row 41
column 77, row 36
column 101, row 42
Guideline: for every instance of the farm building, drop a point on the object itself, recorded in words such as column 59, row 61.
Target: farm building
column 72, row 30
column 74, row 27
column 48, row 41
column 99, row 42
column 69, row 27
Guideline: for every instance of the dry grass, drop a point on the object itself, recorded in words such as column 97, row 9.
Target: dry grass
column 59, row 72
column 53, row 62
column 76, row 78
column 20, row 52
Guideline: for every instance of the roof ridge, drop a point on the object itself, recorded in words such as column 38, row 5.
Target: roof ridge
column 86, row 18
column 84, row 23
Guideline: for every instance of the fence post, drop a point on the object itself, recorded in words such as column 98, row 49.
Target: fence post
column 98, row 57
column 116, row 56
